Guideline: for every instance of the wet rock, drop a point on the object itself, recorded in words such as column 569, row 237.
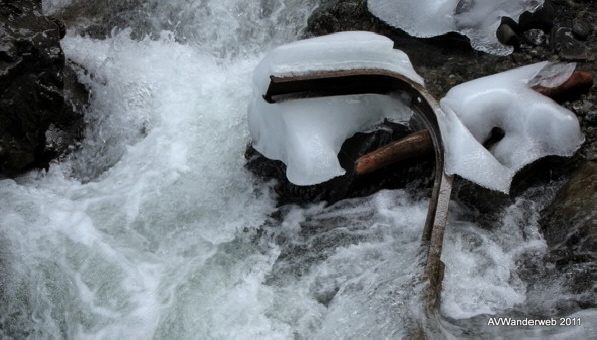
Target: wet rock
column 335, row 16
column 507, row 36
column 487, row 202
column 60, row 24
column 591, row 117
column 581, row 29
column 31, row 86
column 581, row 108
column 569, row 227
column 63, row 136
column 535, row 37
column 101, row 19
column 542, row 18
column 569, row 222
column 563, row 41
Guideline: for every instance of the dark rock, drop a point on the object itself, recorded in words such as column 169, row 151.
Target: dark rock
column 100, row 19
column 581, row 29
column 31, row 86
column 591, row 117
column 543, row 18
column 581, row 108
column 535, row 37
column 487, row 202
column 61, row 27
column 507, row 36
column 335, row 16
column 569, row 222
column 563, row 41
column 570, row 230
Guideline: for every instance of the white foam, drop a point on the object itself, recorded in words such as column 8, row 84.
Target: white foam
column 535, row 126
column 168, row 133
column 365, row 258
column 478, row 19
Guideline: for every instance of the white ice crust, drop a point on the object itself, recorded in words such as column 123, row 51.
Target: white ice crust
column 477, row 19
column 534, row 125
column 307, row 134
column 338, row 51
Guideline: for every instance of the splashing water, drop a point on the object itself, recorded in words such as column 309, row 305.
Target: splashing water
column 154, row 229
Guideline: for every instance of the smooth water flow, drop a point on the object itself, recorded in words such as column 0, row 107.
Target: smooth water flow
column 153, row 228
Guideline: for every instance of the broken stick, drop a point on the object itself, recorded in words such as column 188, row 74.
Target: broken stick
column 413, row 145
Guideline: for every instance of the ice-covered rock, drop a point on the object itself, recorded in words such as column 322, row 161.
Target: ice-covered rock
column 477, row 19
column 534, row 125
column 307, row 134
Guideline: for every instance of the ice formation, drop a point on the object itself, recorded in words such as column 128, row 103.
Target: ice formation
column 477, row 19
column 307, row 134
column 534, row 125
column 338, row 51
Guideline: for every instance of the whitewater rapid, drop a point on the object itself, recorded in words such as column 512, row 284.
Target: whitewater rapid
column 153, row 228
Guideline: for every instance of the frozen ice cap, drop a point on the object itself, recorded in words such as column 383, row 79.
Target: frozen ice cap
column 534, row 125
column 307, row 134
column 477, row 19
column 338, row 51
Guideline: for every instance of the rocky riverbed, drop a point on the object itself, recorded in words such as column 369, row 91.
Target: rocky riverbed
column 41, row 101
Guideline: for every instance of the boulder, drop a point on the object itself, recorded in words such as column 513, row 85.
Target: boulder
column 334, row 16
column 32, row 88
column 569, row 223
column 569, row 226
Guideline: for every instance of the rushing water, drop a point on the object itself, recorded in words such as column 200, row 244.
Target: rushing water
column 153, row 228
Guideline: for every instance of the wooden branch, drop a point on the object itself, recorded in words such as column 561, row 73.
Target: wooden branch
column 578, row 82
column 413, row 145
